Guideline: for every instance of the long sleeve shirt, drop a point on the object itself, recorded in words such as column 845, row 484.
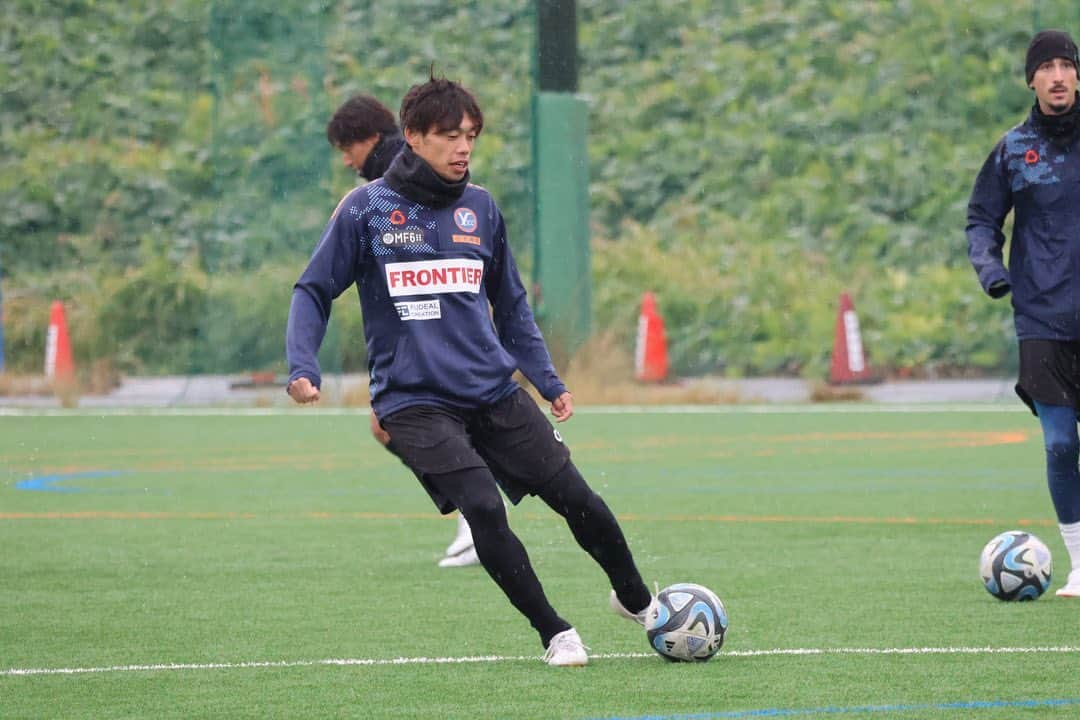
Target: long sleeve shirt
column 446, row 318
column 1039, row 182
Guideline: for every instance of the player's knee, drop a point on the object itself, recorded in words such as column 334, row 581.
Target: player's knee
column 1062, row 451
column 568, row 492
column 485, row 511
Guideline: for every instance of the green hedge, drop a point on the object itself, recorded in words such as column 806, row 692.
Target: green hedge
column 163, row 318
column 738, row 309
column 755, row 158
column 745, row 308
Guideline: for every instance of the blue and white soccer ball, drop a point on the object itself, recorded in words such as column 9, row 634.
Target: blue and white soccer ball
column 1015, row 565
column 686, row 623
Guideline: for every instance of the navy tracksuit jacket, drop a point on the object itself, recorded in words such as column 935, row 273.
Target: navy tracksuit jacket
column 1040, row 183
column 425, row 277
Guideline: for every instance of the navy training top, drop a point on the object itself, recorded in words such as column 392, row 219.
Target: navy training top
column 1040, row 182
column 446, row 318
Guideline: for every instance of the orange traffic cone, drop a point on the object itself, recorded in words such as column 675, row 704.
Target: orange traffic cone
column 650, row 355
column 848, row 360
column 59, row 364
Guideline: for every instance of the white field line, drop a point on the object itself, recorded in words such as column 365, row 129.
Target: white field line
column 778, row 409
column 169, row 667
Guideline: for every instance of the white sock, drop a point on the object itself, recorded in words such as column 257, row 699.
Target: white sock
column 1071, row 535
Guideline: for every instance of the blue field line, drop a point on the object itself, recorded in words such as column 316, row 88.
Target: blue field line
column 50, row 483
column 867, row 709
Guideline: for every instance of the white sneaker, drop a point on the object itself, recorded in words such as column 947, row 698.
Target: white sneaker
column 639, row 617
column 566, row 650
column 465, row 558
column 1072, row 586
column 463, row 540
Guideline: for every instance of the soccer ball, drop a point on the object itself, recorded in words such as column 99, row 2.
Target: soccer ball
column 1015, row 565
column 686, row 623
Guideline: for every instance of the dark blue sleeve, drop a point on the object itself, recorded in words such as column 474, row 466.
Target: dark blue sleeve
column 991, row 200
column 514, row 319
column 331, row 270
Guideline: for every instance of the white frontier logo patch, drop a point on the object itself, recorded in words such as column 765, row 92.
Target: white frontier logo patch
column 420, row 310
column 434, row 277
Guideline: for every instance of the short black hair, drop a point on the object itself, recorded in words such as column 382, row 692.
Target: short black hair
column 440, row 104
column 359, row 118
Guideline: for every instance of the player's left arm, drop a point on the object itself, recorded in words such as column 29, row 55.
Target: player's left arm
column 562, row 407
column 516, row 325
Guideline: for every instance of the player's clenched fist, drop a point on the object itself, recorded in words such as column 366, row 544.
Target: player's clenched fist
column 302, row 391
column 562, row 407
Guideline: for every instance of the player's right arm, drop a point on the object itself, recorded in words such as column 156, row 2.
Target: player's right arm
column 331, row 270
column 991, row 200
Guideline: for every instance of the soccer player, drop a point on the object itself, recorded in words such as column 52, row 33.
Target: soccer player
column 1035, row 171
column 366, row 133
column 447, row 323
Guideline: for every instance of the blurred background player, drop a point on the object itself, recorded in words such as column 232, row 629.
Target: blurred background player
column 447, row 323
column 366, row 133
column 1035, row 170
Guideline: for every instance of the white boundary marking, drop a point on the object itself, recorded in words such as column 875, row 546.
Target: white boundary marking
column 370, row 662
column 779, row 409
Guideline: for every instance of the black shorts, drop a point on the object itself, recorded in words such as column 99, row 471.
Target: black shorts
column 1049, row 373
column 512, row 438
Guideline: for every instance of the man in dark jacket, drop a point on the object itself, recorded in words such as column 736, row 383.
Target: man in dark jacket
column 1034, row 171
column 447, row 324
column 366, row 133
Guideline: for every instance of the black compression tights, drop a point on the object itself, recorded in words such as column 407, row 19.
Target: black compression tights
column 500, row 551
column 598, row 532
column 505, row 559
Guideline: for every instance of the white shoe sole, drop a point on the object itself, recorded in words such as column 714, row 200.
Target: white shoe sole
column 1069, row 591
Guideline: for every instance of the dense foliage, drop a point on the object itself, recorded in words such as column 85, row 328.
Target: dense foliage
column 163, row 166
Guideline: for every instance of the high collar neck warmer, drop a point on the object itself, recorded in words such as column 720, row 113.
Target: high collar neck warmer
column 1061, row 130
column 411, row 176
column 380, row 157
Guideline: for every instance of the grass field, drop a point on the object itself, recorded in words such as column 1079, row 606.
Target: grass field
column 283, row 566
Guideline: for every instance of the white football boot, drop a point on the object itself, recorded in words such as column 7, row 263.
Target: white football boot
column 461, row 552
column 1072, row 586
column 465, row 558
column 462, row 540
column 566, row 650
column 639, row 617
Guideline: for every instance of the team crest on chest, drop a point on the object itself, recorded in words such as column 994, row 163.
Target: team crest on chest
column 465, row 219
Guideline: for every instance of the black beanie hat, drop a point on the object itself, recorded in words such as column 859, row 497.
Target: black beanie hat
column 1047, row 45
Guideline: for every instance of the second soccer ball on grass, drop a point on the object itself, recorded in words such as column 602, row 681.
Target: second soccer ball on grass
column 1015, row 565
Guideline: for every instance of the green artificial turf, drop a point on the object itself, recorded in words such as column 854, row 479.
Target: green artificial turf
column 273, row 566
